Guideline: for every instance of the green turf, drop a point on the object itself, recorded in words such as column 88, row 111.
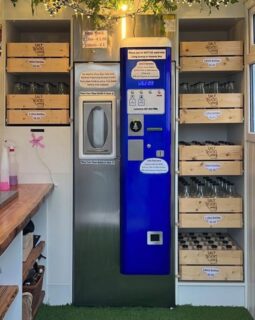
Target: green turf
column 179, row 313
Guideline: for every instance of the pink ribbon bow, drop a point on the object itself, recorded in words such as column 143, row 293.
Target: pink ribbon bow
column 36, row 141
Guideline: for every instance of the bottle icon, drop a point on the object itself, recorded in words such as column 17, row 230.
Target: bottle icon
column 132, row 101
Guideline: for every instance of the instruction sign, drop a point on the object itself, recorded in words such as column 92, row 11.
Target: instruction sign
column 154, row 166
column 145, row 70
column 98, row 79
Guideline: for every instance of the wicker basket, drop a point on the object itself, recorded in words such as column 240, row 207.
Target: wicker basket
column 35, row 289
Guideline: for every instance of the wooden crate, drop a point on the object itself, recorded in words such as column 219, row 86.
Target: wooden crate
column 211, row 116
column 34, row 117
column 37, row 101
column 212, row 168
column 211, row 257
column 211, row 273
column 211, row 205
column 211, row 48
column 33, row 65
column 37, row 49
column 221, row 63
column 211, row 100
column 210, row 220
column 210, row 152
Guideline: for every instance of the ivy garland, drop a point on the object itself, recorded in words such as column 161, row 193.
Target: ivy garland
column 103, row 11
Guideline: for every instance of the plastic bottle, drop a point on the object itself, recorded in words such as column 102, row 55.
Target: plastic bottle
column 4, row 170
column 13, row 167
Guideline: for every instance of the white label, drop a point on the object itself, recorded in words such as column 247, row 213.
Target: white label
column 212, row 62
column 36, row 115
column 212, row 166
column 145, row 70
column 98, row 162
column 146, row 54
column 211, row 272
column 36, row 63
column 98, row 79
column 94, row 39
column 148, row 101
column 212, row 219
column 212, row 114
column 154, row 166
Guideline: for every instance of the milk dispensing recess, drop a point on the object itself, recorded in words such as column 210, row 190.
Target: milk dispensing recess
column 123, row 244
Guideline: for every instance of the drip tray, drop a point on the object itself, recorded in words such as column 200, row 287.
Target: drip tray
column 7, row 196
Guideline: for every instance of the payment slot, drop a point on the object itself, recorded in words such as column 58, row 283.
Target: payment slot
column 145, row 156
column 97, row 127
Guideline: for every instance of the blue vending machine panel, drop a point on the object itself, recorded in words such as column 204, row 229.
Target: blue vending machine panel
column 145, row 158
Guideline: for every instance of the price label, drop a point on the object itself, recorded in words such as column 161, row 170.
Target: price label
column 94, row 39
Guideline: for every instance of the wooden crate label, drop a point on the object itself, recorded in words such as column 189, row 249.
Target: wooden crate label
column 212, row 62
column 212, row 47
column 212, row 114
column 211, row 272
column 211, row 204
column 38, row 101
column 212, row 100
column 36, row 115
column 36, row 63
column 39, row 49
column 212, row 219
column 211, row 256
column 212, row 166
column 212, row 152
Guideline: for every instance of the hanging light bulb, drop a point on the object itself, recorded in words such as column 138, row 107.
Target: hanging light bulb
column 124, row 7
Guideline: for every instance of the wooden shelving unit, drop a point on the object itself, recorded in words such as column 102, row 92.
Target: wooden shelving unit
column 7, row 295
column 33, row 256
column 215, row 115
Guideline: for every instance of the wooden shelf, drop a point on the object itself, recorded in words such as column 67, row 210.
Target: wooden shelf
column 40, row 301
column 34, row 254
column 7, row 295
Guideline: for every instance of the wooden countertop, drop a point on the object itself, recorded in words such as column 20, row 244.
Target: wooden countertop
column 16, row 214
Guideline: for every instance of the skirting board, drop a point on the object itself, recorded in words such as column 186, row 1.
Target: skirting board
column 211, row 295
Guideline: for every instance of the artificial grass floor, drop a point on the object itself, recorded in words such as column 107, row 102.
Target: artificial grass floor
column 178, row 313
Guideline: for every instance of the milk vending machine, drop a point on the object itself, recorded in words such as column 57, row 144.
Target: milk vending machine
column 123, row 165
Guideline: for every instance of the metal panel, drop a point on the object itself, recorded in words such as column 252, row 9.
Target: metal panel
column 97, row 277
column 140, row 26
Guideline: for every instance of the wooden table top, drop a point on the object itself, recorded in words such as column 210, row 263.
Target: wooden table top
column 17, row 213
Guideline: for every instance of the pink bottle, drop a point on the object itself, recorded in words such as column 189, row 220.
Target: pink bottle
column 4, row 171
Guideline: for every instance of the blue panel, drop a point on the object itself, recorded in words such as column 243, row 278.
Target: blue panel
column 145, row 197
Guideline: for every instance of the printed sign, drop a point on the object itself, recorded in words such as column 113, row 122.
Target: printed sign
column 94, row 39
column 98, row 162
column 212, row 166
column 36, row 115
column 212, row 62
column 146, row 54
column 212, row 219
column 211, row 271
column 212, row 114
column 169, row 23
column 154, row 166
column 36, row 63
column 98, row 79
column 148, row 101
column 145, row 70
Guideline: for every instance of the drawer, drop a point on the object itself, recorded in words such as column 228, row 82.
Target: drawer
column 211, row 273
column 221, row 63
column 210, row 152
column 211, row 48
column 34, row 117
column 37, row 49
column 33, row 65
column 202, row 205
column 40, row 101
column 210, row 220
column 210, row 168
column 211, row 116
column 211, row 100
